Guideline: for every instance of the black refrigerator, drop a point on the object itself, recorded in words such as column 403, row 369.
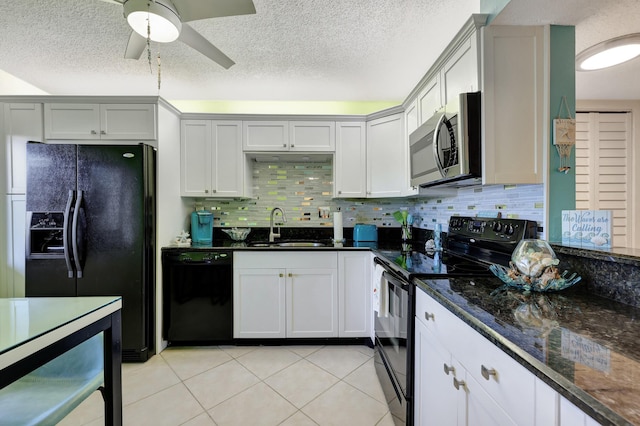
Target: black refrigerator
column 91, row 230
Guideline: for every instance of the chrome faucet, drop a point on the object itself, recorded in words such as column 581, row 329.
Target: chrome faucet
column 273, row 235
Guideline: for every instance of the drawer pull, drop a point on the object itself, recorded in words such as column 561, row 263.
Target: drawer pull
column 448, row 369
column 290, row 275
column 429, row 316
column 281, row 275
column 459, row 384
column 488, row 372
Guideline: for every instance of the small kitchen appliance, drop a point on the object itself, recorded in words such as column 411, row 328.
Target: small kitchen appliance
column 201, row 228
column 365, row 235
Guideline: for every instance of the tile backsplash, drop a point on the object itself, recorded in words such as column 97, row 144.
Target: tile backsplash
column 305, row 190
column 511, row 201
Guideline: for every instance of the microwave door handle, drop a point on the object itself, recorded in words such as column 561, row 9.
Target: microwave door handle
column 74, row 234
column 436, row 149
column 65, row 234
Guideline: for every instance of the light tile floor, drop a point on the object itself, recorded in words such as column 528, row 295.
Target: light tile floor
column 248, row 385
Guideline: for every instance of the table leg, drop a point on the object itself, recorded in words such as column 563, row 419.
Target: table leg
column 113, row 371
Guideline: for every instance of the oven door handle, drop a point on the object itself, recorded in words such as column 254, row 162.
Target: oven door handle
column 389, row 274
column 395, row 279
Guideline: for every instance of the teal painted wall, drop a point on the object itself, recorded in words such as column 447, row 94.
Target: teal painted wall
column 561, row 186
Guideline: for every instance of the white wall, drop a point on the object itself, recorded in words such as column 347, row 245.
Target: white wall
column 169, row 206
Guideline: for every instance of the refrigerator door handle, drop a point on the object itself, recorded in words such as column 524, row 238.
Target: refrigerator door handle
column 74, row 234
column 65, row 234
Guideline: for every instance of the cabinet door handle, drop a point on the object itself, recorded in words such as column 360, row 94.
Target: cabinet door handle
column 281, row 275
column 102, row 132
column 292, row 145
column 284, row 145
column 93, row 132
column 429, row 316
column 448, row 369
column 206, row 191
column 488, row 372
column 339, row 192
column 459, row 384
column 290, row 275
column 214, row 191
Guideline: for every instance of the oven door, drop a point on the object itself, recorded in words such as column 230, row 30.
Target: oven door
column 394, row 336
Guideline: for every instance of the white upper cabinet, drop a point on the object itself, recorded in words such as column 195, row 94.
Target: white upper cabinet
column 350, row 165
column 22, row 123
column 514, row 95
column 212, row 161
column 385, row 156
column 429, row 99
column 312, row 136
column 411, row 117
column 265, row 135
column 460, row 72
column 100, row 121
column 303, row 136
column 387, row 173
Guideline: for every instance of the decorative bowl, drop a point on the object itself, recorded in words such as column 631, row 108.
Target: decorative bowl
column 550, row 280
column 237, row 234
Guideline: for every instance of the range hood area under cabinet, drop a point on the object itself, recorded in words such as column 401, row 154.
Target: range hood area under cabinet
column 506, row 64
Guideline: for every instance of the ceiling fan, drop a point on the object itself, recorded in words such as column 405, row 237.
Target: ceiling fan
column 166, row 21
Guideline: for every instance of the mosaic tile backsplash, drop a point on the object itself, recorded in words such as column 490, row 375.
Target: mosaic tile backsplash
column 304, row 191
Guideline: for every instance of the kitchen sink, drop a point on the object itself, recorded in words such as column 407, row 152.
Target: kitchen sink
column 300, row 244
column 289, row 244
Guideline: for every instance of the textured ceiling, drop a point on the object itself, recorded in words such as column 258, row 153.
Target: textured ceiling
column 289, row 50
column 313, row 50
column 595, row 21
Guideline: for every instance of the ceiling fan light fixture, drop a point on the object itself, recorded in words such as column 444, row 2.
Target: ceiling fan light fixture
column 609, row 53
column 161, row 17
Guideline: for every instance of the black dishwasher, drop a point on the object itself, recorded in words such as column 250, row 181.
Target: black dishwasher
column 197, row 296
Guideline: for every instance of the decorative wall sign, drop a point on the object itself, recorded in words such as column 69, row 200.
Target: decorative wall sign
column 587, row 228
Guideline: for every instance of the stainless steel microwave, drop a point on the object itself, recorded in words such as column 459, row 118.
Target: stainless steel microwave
column 446, row 149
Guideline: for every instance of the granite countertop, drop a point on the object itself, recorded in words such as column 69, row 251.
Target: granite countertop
column 241, row 246
column 584, row 346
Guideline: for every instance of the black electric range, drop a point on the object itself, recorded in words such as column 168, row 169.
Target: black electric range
column 472, row 245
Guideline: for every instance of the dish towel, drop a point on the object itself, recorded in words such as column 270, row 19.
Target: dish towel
column 380, row 290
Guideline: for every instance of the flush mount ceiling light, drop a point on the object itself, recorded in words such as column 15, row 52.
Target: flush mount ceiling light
column 609, row 53
column 158, row 17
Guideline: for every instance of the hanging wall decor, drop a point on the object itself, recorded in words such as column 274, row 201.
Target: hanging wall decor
column 564, row 136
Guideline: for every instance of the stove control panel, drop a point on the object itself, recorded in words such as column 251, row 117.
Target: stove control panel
column 491, row 229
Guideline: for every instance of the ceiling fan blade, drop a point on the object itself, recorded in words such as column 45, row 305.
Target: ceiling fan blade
column 192, row 38
column 135, row 46
column 193, row 10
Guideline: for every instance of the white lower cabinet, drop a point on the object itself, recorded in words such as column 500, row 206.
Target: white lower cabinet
column 290, row 294
column 258, row 302
column 570, row 415
column 463, row 377
column 354, row 294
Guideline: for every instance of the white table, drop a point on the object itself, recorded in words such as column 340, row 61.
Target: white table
column 36, row 330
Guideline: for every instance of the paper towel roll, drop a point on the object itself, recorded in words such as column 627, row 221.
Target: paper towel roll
column 337, row 227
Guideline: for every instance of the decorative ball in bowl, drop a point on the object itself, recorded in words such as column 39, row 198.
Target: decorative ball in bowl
column 532, row 257
column 237, row 234
column 533, row 267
